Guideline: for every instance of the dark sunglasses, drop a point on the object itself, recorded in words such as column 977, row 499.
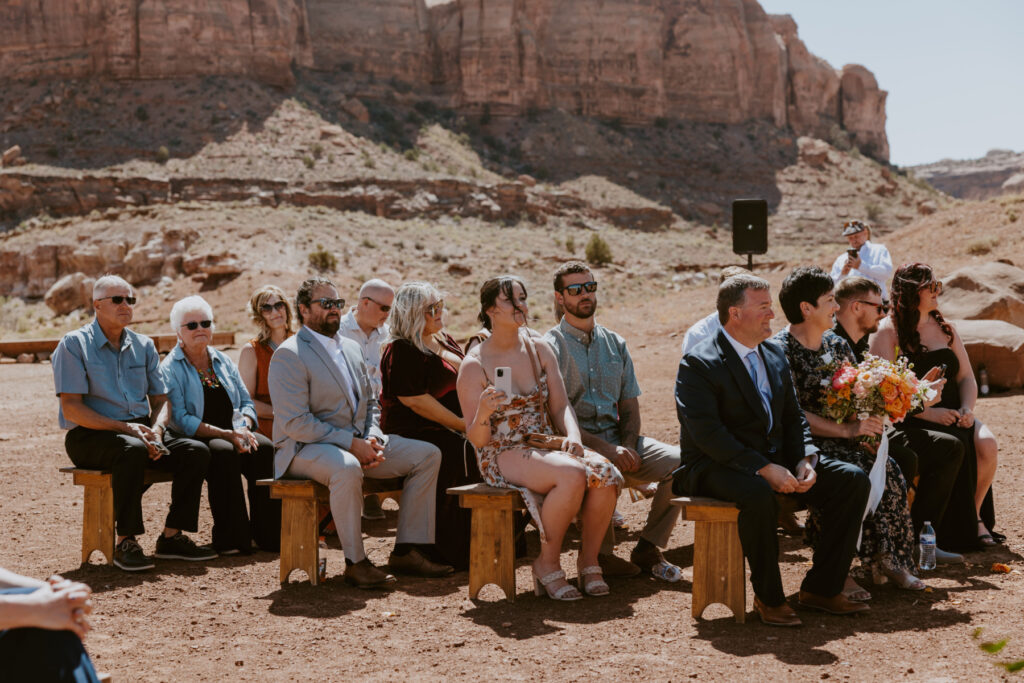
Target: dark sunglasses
column 328, row 304
column 194, row 325
column 435, row 308
column 279, row 306
column 935, row 287
column 118, row 300
column 382, row 307
column 884, row 308
column 576, row 290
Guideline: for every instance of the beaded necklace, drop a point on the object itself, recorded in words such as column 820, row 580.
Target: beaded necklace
column 207, row 377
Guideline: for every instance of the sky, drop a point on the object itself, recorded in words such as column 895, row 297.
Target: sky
column 954, row 70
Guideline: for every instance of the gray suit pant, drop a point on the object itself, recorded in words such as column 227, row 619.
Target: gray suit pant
column 340, row 471
column 657, row 461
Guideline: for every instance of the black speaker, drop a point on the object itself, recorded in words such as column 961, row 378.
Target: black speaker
column 749, row 226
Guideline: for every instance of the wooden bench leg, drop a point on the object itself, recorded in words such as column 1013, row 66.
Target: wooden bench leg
column 718, row 569
column 492, row 552
column 299, row 546
column 98, row 520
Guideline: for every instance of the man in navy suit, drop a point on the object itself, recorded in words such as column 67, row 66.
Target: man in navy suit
column 744, row 439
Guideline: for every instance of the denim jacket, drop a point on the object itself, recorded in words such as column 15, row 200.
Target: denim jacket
column 185, row 391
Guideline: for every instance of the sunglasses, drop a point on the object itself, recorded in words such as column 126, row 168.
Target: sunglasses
column 279, row 306
column 328, row 304
column 884, row 308
column 576, row 290
column 195, row 325
column 435, row 308
column 118, row 300
column 935, row 287
column 382, row 307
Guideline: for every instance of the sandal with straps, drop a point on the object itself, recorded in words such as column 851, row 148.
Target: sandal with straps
column 902, row 578
column 566, row 593
column 985, row 539
column 592, row 587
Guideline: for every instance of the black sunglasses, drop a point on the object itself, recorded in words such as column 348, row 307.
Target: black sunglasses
column 279, row 306
column 118, row 299
column 884, row 308
column 194, row 325
column 328, row 304
column 576, row 290
column 382, row 307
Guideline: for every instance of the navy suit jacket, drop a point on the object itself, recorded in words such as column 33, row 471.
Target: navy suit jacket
column 721, row 416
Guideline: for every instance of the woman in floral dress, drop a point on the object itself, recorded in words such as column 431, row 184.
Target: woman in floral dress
column 556, row 484
column 814, row 351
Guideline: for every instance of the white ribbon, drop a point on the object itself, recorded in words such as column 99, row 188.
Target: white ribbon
column 877, row 476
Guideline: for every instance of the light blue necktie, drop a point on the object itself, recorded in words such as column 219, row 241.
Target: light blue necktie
column 760, row 378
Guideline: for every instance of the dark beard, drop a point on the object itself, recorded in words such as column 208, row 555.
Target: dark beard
column 580, row 314
column 328, row 328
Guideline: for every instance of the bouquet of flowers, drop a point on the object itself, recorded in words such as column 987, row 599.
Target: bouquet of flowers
column 874, row 387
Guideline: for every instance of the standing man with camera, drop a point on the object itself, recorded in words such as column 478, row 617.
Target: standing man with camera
column 114, row 403
column 863, row 258
column 602, row 387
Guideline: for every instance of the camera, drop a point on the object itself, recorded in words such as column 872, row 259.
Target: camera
column 853, row 253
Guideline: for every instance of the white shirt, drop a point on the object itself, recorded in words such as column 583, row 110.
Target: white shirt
column 700, row 331
column 743, row 351
column 370, row 345
column 333, row 347
column 875, row 265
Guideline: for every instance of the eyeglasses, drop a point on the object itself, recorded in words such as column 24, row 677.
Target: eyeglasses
column 118, row 300
column 576, row 290
column 935, row 287
column 883, row 307
column 195, row 325
column 435, row 308
column 382, row 307
column 328, row 304
column 279, row 306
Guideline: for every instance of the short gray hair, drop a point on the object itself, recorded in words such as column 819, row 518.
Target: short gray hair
column 188, row 305
column 733, row 291
column 107, row 282
column 408, row 312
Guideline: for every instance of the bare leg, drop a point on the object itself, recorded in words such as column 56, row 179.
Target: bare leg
column 596, row 514
column 987, row 452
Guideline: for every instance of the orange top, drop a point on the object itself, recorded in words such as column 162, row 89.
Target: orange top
column 263, row 354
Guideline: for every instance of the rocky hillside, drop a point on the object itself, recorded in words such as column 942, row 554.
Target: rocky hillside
column 717, row 61
column 1001, row 171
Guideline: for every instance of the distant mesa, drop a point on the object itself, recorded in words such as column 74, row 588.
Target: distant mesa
column 999, row 172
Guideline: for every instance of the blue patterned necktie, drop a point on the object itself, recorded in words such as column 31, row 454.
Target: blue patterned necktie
column 758, row 374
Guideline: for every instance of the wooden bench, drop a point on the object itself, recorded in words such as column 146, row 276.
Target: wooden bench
column 300, row 515
column 98, row 508
column 492, row 537
column 718, row 568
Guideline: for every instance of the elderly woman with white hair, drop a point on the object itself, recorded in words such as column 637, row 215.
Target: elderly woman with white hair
column 419, row 367
column 211, row 407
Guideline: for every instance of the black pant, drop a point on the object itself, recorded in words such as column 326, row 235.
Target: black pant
column 938, row 457
column 839, row 494
column 38, row 654
column 127, row 459
column 233, row 527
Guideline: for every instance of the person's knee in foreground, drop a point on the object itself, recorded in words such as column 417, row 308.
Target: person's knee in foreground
column 533, row 404
column 327, row 428
column 597, row 370
column 744, row 438
column 42, row 625
column 113, row 401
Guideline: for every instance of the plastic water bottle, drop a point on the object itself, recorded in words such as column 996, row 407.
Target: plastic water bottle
column 321, row 564
column 983, row 380
column 238, row 421
column 927, row 547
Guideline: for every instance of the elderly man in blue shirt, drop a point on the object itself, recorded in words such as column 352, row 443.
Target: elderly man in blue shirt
column 113, row 403
column 602, row 387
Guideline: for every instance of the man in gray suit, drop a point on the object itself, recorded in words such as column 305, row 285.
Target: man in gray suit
column 327, row 428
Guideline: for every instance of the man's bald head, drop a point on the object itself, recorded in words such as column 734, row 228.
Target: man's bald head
column 374, row 307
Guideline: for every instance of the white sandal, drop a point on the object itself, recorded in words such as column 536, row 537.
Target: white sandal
column 593, row 587
column 566, row 593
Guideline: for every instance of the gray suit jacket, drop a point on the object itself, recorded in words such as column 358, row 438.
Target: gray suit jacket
column 310, row 405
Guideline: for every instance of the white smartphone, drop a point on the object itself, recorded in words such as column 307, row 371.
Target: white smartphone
column 503, row 381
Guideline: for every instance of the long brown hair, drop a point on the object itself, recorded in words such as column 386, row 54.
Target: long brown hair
column 258, row 298
column 907, row 282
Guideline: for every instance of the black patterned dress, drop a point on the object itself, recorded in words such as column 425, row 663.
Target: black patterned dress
column 888, row 532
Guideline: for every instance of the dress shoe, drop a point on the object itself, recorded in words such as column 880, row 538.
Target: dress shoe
column 615, row 566
column 789, row 524
column 783, row 615
column 363, row 574
column 837, row 604
column 945, row 557
column 371, row 508
column 651, row 561
column 414, row 562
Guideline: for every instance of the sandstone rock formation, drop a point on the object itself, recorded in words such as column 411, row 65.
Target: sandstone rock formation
column 69, row 293
column 989, row 291
column 704, row 60
column 1001, row 171
column 997, row 345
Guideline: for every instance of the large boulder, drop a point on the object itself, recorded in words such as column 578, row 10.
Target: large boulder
column 986, row 291
column 997, row 345
column 69, row 293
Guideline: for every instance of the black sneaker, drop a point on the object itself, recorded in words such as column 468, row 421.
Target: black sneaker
column 128, row 556
column 181, row 547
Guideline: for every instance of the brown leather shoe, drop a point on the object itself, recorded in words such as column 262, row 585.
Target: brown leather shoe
column 615, row 566
column 363, row 574
column 645, row 559
column 789, row 524
column 413, row 562
column 837, row 604
column 783, row 615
